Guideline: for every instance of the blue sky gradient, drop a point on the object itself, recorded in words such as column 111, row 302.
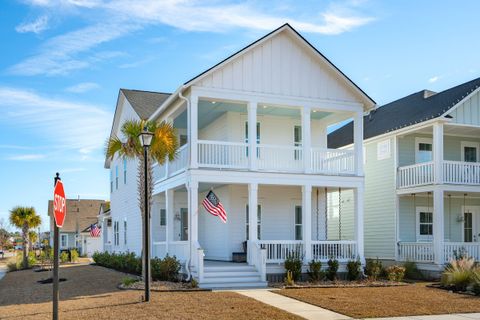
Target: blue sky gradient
column 63, row 62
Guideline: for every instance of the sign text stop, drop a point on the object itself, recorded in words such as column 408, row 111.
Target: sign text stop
column 59, row 204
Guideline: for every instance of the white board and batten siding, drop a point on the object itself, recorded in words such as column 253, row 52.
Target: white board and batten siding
column 468, row 112
column 281, row 65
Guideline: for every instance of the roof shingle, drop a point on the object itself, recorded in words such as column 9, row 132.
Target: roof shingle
column 145, row 103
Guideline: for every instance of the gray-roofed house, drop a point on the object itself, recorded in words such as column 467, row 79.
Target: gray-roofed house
column 422, row 176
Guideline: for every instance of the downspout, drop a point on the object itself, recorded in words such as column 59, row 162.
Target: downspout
column 187, row 263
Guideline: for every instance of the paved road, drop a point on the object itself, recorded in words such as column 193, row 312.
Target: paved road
column 3, row 267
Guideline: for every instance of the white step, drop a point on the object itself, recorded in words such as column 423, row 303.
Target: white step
column 234, row 285
column 232, row 279
column 223, row 274
column 229, row 269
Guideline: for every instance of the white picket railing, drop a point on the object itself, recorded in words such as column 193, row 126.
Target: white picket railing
column 416, row 251
column 279, row 158
column 470, row 249
column 222, row 154
column 257, row 256
column 458, row 172
column 341, row 250
column 180, row 162
column 278, row 250
column 332, row 161
column 179, row 249
column 416, row 175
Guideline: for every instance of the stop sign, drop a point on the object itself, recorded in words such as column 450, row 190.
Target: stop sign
column 59, row 204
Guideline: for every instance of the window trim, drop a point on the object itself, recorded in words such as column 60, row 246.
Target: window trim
column 419, row 140
column 165, row 219
column 61, row 236
column 125, row 231
column 116, row 177
column 470, row 144
column 116, row 233
column 295, row 224
column 475, row 210
column 259, row 221
column 419, row 237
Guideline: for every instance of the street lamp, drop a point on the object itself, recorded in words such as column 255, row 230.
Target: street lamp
column 145, row 138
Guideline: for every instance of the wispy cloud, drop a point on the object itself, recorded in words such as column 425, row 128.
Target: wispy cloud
column 66, row 124
column 135, row 64
column 37, row 26
column 72, row 51
column 71, row 170
column 26, row 157
column 83, row 87
column 434, row 79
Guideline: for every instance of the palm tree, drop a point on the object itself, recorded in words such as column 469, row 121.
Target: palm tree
column 164, row 146
column 32, row 237
column 25, row 218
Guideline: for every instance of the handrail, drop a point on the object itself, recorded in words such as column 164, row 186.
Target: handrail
column 228, row 143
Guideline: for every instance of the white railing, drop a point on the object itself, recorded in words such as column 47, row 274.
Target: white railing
column 279, row 158
column 470, row 249
column 416, row 251
column 159, row 172
column 199, row 255
column 257, row 256
column 179, row 249
column 222, row 154
column 332, row 161
column 415, row 175
column 341, row 250
column 278, row 250
column 458, row 172
column 180, row 162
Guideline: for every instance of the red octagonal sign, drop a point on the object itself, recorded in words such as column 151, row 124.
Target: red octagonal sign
column 59, row 204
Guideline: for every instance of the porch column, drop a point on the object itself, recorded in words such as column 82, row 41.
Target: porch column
column 358, row 142
column 307, row 221
column 193, row 131
column 252, row 135
column 169, row 214
column 306, row 139
column 438, row 151
column 359, row 235
column 192, row 190
column 438, row 226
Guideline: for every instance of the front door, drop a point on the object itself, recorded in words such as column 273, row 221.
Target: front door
column 471, row 224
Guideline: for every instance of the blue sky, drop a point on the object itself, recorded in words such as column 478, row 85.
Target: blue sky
column 63, row 61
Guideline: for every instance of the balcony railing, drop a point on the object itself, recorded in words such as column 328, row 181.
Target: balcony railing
column 171, row 168
column 333, row 161
column 415, row 175
column 279, row 158
column 222, row 154
column 457, row 172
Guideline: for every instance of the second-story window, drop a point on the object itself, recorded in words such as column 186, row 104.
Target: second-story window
column 116, row 177
column 124, row 170
column 424, row 150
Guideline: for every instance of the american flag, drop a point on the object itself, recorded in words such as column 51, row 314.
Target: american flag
column 212, row 204
column 94, row 231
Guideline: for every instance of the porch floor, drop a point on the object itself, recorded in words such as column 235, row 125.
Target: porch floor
column 216, row 263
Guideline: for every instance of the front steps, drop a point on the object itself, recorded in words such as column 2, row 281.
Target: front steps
column 231, row 276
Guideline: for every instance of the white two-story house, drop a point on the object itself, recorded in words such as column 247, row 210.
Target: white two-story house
column 422, row 176
column 253, row 129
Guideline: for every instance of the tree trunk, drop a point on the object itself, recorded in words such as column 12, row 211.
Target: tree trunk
column 25, row 245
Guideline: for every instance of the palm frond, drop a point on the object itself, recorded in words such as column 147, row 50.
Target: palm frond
column 164, row 143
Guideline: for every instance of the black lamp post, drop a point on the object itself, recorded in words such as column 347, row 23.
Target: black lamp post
column 146, row 140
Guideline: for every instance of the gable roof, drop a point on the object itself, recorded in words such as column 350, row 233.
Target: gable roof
column 412, row 109
column 145, row 102
column 80, row 214
column 295, row 33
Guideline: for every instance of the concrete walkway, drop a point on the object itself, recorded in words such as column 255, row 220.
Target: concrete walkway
column 463, row 316
column 293, row 306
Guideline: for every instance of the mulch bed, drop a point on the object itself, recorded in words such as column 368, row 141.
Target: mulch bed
column 91, row 293
column 396, row 301
column 162, row 286
column 337, row 284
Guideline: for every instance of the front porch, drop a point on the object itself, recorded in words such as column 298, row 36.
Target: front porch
column 435, row 231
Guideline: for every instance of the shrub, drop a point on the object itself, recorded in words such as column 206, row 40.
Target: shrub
column 193, row 283
column 458, row 274
column 476, row 281
column 64, row 258
column 125, row 262
column 332, row 269
column 293, row 263
column 354, row 270
column 166, row 269
column 73, row 255
column 411, row 271
column 12, row 266
column 127, row 281
column 373, row 269
column 315, row 272
column 289, row 280
column 32, row 260
column 395, row 273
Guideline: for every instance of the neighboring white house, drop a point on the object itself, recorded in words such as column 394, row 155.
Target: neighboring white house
column 422, row 176
column 253, row 129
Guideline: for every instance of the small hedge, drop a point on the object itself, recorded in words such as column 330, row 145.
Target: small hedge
column 166, row 269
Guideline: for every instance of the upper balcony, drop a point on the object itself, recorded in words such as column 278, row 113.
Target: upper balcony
column 446, row 154
column 287, row 139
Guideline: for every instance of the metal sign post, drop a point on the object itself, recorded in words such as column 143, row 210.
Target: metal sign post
column 59, row 212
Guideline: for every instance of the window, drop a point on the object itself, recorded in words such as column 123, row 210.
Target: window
column 163, row 217
column 297, row 141
column 183, row 140
column 259, row 221
column 423, row 150
column 116, row 177
column 124, row 171
column 116, row 233
column 470, row 151
column 424, row 224
column 298, row 222
column 383, row 150
column 258, row 136
column 125, row 232
column 111, row 180
column 64, row 241
column 184, row 224
column 467, row 226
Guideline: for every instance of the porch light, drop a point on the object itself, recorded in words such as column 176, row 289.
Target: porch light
column 264, row 107
column 145, row 137
column 213, row 102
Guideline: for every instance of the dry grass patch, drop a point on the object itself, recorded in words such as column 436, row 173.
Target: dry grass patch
column 91, row 292
column 416, row 299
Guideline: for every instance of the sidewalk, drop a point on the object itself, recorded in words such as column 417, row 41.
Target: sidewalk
column 463, row 316
column 293, row 306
